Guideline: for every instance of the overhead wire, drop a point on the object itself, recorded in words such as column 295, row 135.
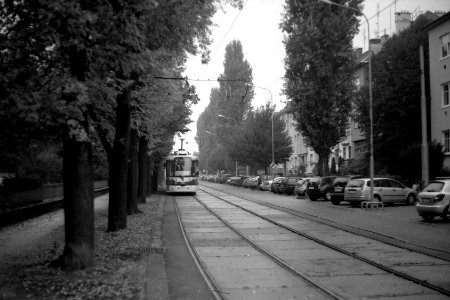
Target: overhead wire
column 223, row 38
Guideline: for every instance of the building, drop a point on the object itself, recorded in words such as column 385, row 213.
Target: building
column 302, row 155
column 439, row 58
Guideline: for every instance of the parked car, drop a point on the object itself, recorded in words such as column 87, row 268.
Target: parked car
column 385, row 190
column 300, row 186
column 266, row 185
column 337, row 188
column 434, row 200
column 287, row 185
column 223, row 178
column 321, row 188
column 253, row 182
column 275, row 183
column 235, row 180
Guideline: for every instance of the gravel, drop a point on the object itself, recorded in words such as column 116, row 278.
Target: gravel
column 129, row 264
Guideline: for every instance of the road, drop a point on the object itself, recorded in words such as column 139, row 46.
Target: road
column 397, row 222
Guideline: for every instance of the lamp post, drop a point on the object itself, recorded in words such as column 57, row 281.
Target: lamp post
column 370, row 93
column 235, row 122
column 271, row 101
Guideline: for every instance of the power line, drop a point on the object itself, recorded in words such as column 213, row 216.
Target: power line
column 223, row 38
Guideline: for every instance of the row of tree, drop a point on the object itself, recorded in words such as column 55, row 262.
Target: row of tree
column 319, row 82
column 77, row 72
column 230, row 131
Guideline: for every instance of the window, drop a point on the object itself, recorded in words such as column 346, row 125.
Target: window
column 445, row 45
column 344, row 153
column 445, row 95
column 447, row 141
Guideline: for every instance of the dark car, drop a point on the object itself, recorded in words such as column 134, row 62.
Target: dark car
column 287, row 185
column 275, row 185
column 336, row 193
column 320, row 188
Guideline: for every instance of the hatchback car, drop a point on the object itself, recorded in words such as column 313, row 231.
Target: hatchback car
column 434, row 200
column 320, row 189
column 385, row 190
column 266, row 185
column 336, row 193
column 300, row 186
column 275, row 183
column 287, row 185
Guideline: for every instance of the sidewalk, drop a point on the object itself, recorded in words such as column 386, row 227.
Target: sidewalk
column 147, row 260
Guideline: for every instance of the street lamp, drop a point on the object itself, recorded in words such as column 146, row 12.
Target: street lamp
column 235, row 122
column 271, row 101
column 370, row 93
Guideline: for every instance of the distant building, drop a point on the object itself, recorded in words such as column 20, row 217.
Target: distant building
column 302, row 155
column 439, row 57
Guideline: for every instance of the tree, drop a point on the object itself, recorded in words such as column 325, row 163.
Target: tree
column 58, row 56
column 254, row 141
column 233, row 100
column 396, row 100
column 319, row 57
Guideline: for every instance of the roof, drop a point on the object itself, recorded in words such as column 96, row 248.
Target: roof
column 361, row 60
column 437, row 22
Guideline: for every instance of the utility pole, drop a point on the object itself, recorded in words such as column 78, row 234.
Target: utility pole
column 423, row 108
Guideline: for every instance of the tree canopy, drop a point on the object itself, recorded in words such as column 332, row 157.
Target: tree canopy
column 318, row 63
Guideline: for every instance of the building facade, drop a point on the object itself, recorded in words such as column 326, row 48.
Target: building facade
column 439, row 58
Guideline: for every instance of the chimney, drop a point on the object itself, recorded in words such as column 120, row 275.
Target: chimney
column 402, row 21
column 375, row 45
column 358, row 52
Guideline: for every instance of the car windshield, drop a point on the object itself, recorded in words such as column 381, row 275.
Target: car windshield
column 434, row 187
column 355, row 183
column 314, row 179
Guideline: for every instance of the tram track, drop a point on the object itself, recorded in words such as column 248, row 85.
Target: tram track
column 218, row 291
column 429, row 251
column 404, row 268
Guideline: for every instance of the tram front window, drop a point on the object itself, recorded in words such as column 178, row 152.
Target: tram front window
column 181, row 166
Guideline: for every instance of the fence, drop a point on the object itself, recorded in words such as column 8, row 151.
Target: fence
column 45, row 193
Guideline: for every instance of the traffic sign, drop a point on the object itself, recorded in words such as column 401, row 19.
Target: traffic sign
column 272, row 164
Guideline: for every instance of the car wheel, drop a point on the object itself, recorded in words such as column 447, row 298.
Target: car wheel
column 411, row 199
column 312, row 198
column 328, row 196
column 377, row 198
column 335, row 201
column 444, row 215
column 427, row 218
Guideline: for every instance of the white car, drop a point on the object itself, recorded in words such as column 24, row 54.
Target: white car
column 434, row 200
column 385, row 190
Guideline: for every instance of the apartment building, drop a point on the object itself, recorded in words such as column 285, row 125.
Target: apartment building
column 439, row 58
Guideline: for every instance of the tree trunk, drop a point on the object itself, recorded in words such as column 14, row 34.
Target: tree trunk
column 150, row 173
column 323, row 164
column 132, row 207
column 78, row 206
column 117, row 213
column 143, row 169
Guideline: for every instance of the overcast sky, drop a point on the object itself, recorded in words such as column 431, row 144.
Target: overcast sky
column 257, row 27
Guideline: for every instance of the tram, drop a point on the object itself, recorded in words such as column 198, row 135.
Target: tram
column 181, row 172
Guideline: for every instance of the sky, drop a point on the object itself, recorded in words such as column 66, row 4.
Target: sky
column 256, row 26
